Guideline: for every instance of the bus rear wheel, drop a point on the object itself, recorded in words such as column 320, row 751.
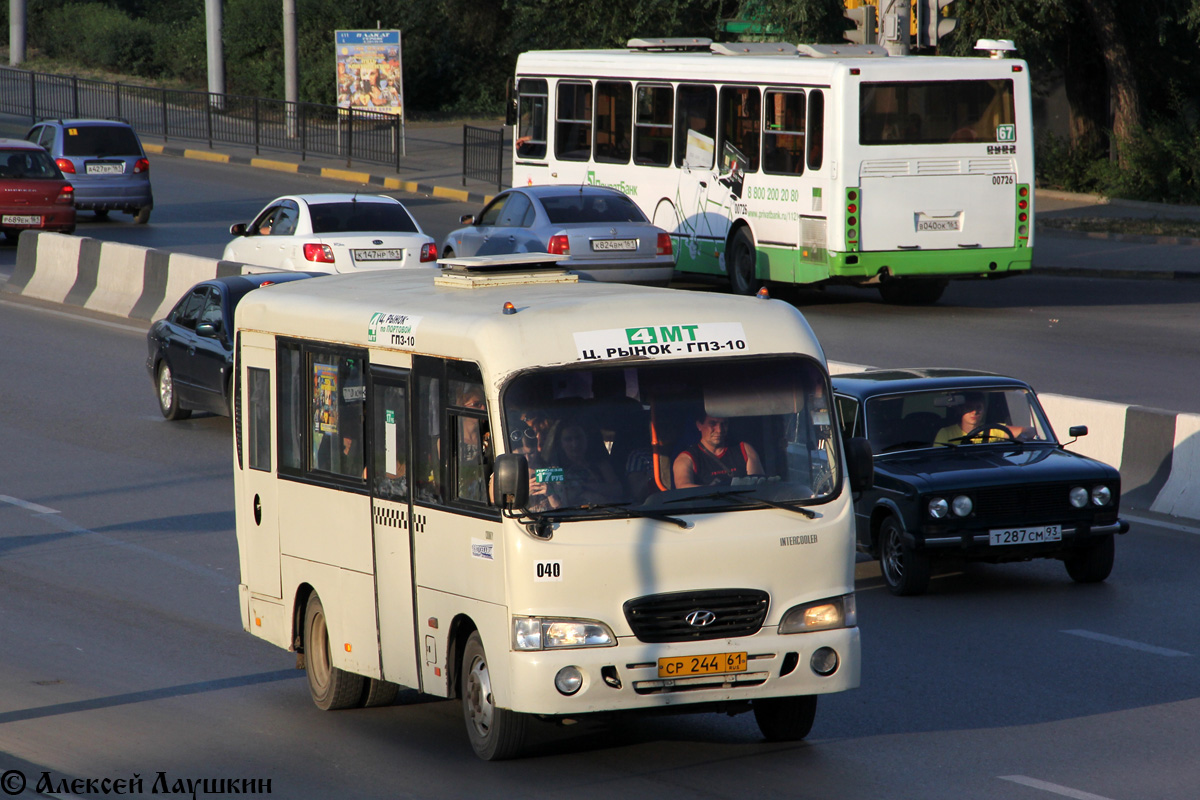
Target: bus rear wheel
column 743, row 264
column 331, row 688
column 911, row 291
column 495, row 733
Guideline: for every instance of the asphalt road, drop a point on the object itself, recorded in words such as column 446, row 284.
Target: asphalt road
column 1126, row 341
column 123, row 653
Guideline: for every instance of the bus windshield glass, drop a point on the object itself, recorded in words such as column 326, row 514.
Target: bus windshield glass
column 936, row 112
column 669, row 438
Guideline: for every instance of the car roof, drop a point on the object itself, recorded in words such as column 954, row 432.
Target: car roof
column 19, row 144
column 321, row 198
column 561, row 190
column 875, row 382
column 244, row 283
column 116, row 123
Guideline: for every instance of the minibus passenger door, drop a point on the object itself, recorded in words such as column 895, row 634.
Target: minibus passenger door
column 257, row 514
column 392, row 515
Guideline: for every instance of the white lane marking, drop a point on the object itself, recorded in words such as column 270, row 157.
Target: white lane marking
column 78, row 317
column 1148, row 648
column 57, row 520
column 1160, row 524
column 1065, row 791
column 25, row 504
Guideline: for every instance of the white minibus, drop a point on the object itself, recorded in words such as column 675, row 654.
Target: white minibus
column 543, row 496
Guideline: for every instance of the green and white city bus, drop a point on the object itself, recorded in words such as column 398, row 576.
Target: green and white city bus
column 810, row 164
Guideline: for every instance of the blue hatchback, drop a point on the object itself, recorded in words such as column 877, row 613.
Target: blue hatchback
column 103, row 160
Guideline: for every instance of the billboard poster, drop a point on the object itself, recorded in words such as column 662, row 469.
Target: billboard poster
column 368, row 71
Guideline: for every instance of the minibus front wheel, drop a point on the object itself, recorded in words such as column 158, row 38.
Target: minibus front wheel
column 495, row 733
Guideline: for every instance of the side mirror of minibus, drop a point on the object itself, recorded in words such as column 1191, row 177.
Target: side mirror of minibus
column 511, row 476
column 860, row 463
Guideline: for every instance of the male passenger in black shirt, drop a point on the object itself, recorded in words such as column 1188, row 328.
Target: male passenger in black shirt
column 712, row 461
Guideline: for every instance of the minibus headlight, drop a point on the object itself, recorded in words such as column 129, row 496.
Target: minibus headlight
column 1079, row 497
column 1101, row 495
column 822, row 615
column 542, row 633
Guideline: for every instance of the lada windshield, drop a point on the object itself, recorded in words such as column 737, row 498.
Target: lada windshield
column 669, row 438
column 955, row 417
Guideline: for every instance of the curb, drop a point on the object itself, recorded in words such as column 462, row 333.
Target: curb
column 1133, row 238
column 353, row 176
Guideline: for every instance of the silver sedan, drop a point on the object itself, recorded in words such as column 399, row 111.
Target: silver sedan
column 332, row 233
column 600, row 233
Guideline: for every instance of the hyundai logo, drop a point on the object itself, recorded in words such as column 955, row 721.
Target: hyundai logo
column 700, row 618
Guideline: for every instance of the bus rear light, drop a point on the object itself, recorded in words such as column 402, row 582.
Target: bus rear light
column 1024, row 204
column 664, row 245
column 1023, row 217
column 1017, row 68
column 559, row 245
column 321, row 253
column 1023, row 191
column 851, row 195
column 65, row 165
column 852, row 221
column 852, row 208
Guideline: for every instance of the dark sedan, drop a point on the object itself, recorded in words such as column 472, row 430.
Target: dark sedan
column 967, row 468
column 191, row 350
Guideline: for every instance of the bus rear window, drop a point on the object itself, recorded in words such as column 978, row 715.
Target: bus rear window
column 936, row 112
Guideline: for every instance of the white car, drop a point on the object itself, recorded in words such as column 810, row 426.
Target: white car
column 332, row 233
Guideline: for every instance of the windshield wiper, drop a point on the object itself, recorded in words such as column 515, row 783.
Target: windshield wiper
column 737, row 495
column 612, row 510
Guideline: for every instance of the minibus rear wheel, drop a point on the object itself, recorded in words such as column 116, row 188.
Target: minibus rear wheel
column 785, row 719
column 331, row 688
column 495, row 733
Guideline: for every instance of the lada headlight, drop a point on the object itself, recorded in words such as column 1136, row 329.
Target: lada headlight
column 962, row 506
column 545, row 633
column 1079, row 496
column 938, row 507
column 1101, row 495
column 821, row 615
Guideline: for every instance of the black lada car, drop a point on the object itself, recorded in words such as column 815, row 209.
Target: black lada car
column 968, row 468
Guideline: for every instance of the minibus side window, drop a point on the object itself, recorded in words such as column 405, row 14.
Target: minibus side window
column 291, row 409
column 428, row 436
column 453, row 443
column 338, row 396
column 390, row 441
column 258, row 418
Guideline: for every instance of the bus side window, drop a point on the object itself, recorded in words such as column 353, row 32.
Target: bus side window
column 740, row 114
column 291, row 409
column 652, row 126
column 531, row 118
column 697, row 112
column 573, row 132
column 614, row 120
column 338, row 397
column 816, row 128
column 783, row 135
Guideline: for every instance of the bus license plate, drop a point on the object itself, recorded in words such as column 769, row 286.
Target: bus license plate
column 105, row 169
column 389, row 254
column 604, row 245
column 1002, row 536
column 701, row 665
column 925, row 223
column 18, row 219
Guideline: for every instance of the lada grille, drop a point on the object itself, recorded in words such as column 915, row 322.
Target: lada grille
column 1027, row 502
column 665, row 617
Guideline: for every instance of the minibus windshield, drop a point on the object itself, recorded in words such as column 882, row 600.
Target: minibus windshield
column 714, row 435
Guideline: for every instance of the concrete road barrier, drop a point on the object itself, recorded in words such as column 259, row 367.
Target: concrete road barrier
column 1157, row 451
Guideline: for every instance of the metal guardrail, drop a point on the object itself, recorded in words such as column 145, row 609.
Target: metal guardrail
column 483, row 155
column 303, row 128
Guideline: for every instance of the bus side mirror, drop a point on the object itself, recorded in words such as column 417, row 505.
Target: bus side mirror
column 860, row 463
column 511, row 476
column 510, row 116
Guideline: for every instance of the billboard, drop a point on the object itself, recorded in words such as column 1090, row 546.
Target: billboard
column 368, row 71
